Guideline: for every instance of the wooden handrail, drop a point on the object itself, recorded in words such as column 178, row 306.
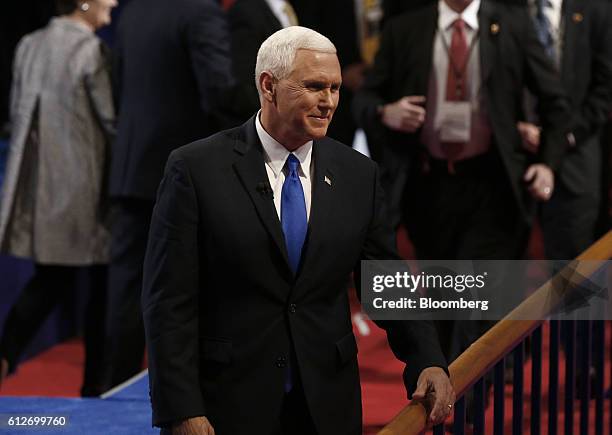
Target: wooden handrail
column 498, row 341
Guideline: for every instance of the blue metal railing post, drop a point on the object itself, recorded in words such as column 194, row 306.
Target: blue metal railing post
column 570, row 375
column 536, row 380
column 553, row 383
column 584, row 374
column 459, row 421
column 517, row 390
column 499, row 396
column 599, row 343
column 479, row 406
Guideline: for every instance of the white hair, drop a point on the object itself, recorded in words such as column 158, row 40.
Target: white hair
column 277, row 53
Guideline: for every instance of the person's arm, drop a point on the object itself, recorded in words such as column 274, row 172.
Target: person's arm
column 170, row 299
column 368, row 102
column 99, row 92
column 594, row 111
column 544, row 83
column 542, row 79
column 413, row 342
column 374, row 109
column 15, row 97
column 208, row 42
column 245, row 45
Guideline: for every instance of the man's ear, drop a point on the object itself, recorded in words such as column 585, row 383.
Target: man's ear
column 267, row 84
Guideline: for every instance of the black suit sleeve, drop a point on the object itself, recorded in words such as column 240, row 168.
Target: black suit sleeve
column 595, row 109
column 377, row 91
column 395, row 162
column 116, row 67
column 208, row 42
column 170, row 299
column 246, row 40
column 413, row 342
column 544, row 82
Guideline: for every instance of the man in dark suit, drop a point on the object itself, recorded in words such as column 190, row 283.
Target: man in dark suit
column 441, row 107
column 254, row 233
column 172, row 64
column 250, row 23
column 578, row 38
column 324, row 17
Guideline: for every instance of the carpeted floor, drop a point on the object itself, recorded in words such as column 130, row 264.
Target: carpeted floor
column 126, row 412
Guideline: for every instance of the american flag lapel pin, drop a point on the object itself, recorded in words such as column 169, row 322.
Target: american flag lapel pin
column 327, row 180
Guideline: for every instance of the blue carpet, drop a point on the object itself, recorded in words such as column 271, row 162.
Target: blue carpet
column 128, row 412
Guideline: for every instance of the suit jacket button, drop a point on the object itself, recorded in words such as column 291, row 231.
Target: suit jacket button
column 281, row 362
column 292, row 308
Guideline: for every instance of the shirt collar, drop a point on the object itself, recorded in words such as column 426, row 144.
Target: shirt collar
column 447, row 16
column 276, row 154
column 278, row 9
column 276, row 4
column 555, row 5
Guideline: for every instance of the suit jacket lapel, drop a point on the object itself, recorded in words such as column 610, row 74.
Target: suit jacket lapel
column 490, row 30
column 322, row 200
column 251, row 170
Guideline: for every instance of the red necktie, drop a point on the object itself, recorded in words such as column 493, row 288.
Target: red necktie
column 456, row 83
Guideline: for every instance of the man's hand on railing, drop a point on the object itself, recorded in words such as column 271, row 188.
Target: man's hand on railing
column 436, row 391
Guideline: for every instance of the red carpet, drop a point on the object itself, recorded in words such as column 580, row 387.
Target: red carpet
column 56, row 372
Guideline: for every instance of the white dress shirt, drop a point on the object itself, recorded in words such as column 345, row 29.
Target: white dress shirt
column 279, row 11
column 275, row 157
column 480, row 135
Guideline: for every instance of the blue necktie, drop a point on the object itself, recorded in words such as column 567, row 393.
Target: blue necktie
column 295, row 225
column 293, row 213
column 544, row 29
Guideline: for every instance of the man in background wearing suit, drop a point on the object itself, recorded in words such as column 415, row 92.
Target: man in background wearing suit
column 250, row 23
column 172, row 64
column 577, row 36
column 325, row 17
column 253, row 235
column 442, row 103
